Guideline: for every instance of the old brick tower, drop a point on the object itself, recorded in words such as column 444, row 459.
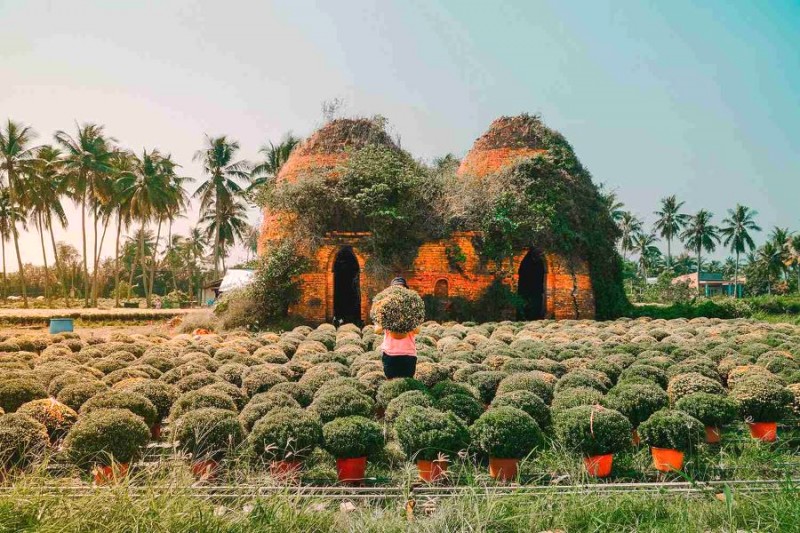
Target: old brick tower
column 552, row 285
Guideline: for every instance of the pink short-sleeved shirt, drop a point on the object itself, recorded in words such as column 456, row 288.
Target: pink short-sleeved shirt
column 404, row 346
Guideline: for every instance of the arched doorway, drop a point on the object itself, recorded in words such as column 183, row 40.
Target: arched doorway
column 531, row 286
column 346, row 287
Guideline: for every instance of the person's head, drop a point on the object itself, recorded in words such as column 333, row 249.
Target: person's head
column 399, row 282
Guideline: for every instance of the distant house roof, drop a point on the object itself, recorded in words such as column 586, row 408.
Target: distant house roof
column 235, row 279
column 704, row 278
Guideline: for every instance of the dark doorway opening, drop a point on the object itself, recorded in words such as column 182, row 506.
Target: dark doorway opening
column 346, row 287
column 531, row 286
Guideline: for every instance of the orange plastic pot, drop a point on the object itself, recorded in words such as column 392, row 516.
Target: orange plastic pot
column 431, row 471
column 764, row 431
column 667, row 459
column 599, row 465
column 155, row 431
column 713, row 435
column 503, row 469
column 636, row 439
column 351, row 470
column 205, row 469
column 109, row 474
column 285, row 469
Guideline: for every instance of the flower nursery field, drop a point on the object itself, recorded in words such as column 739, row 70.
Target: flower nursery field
column 207, row 422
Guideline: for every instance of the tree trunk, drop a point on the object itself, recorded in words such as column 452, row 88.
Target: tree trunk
column 5, row 276
column 21, row 269
column 61, row 274
column 144, row 266
column 44, row 258
column 699, row 270
column 155, row 257
column 85, row 254
column 96, row 286
column 116, row 262
column 133, row 267
column 669, row 253
column 94, row 258
column 736, row 278
column 218, row 220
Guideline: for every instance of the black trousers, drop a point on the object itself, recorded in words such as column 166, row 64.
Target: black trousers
column 399, row 366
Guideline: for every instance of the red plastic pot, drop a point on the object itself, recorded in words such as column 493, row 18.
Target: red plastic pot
column 503, row 469
column 104, row 475
column 205, row 469
column 599, row 465
column 431, row 471
column 285, row 469
column 713, row 435
column 764, row 431
column 667, row 459
column 352, row 469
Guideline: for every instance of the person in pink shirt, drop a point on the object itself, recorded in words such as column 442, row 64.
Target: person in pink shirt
column 398, row 350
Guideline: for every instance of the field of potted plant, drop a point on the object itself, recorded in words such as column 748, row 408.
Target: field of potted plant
column 508, row 402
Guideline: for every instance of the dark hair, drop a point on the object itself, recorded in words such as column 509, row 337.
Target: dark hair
column 399, row 281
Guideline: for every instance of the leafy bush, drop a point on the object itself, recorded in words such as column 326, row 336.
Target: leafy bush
column 17, row 391
column 197, row 381
column 105, row 435
column 448, row 387
column 525, row 401
column 404, row 401
column 208, row 433
column 261, row 404
column 340, row 403
column 487, row 382
column 352, row 436
column 161, row 395
column 593, row 430
column 672, row 429
column 575, row 397
column 761, row 399
column 260, row 380
column 637, row 401
column 583, row 377
column 285, row 433
column 398, row 309
column 654, row 374
column 198, row 399
column 133, row 402
column 77, row 394
column 424, row 433
column 54, row 415
column 528, row 381
column 22, row 440
column 298, row 391
column 710, row 409
column 506, row 433
column 391, row 389
column 465, row 407
column 685, row 384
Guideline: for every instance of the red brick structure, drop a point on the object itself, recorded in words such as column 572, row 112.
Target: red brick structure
column 554, row 286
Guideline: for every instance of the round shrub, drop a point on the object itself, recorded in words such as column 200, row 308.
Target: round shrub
column 54, row 415
column 685, row 384
column 285, row 433
column 161, row 395
column 319, row 374
column 431, row 373
column 448, row 387
column 527, row 402
column 593, row 430
column 656, row 375
column 534, row 382
column 298, row 391
column 637, row 401
column 22, row 440
column 710, row 409
column 197, row 381
column 391, row 389
column 67, row 378
column 424, row 433
column 352, row 436
column 669, row 428
column 398, row 309
column 574, row 397
column 761, row 399
column 584, row 377
column 261, row 404
column 232, row 373
column 795, row 390
column 487, row 382
column 208, row 433
column 133, row 402
column 706, row 368
column 338, row 383
column 77, row 394
column 746, row 372
column 17, row 391
column 465, row 407
column 506, row 433
column 105, row 435
column 406, row 400
column 198, row 399
column 260, row 381
column 231, row 391
column 341, row 402
column 609, row 368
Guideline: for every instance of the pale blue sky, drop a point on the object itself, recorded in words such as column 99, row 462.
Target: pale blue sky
column 697, row 99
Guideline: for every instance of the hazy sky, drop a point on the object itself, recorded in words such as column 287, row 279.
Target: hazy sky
column 657, row 98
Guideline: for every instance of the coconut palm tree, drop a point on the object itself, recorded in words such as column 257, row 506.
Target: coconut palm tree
column 736, row 230
column 770, row 256
column 194, row 248
column 234, row 225
column 222, row 186
column 629, row 225
column 45, row 187
column 701, row 235
column 779, row 237
column 88, row 164
column 16, row 163
column 644, row 244
column 729, row 268
column 9, row 213
column 793, row 255
column 273, row 161
column 670, row 221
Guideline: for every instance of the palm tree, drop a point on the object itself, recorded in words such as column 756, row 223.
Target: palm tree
column 124, row 166
column 222, row 186
column 770, row 257
column 729, row 268
column 779, row 237
column 234, row 225
column 274, row 159
column 644, row 245
column 793, row 255
column 736, row 230
column 16, row 163
column 45, row 190
column 88, row 163
column 629, row 225
column 701, row 235
column 8, row 214
column 670, row 221
column 194, row 247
